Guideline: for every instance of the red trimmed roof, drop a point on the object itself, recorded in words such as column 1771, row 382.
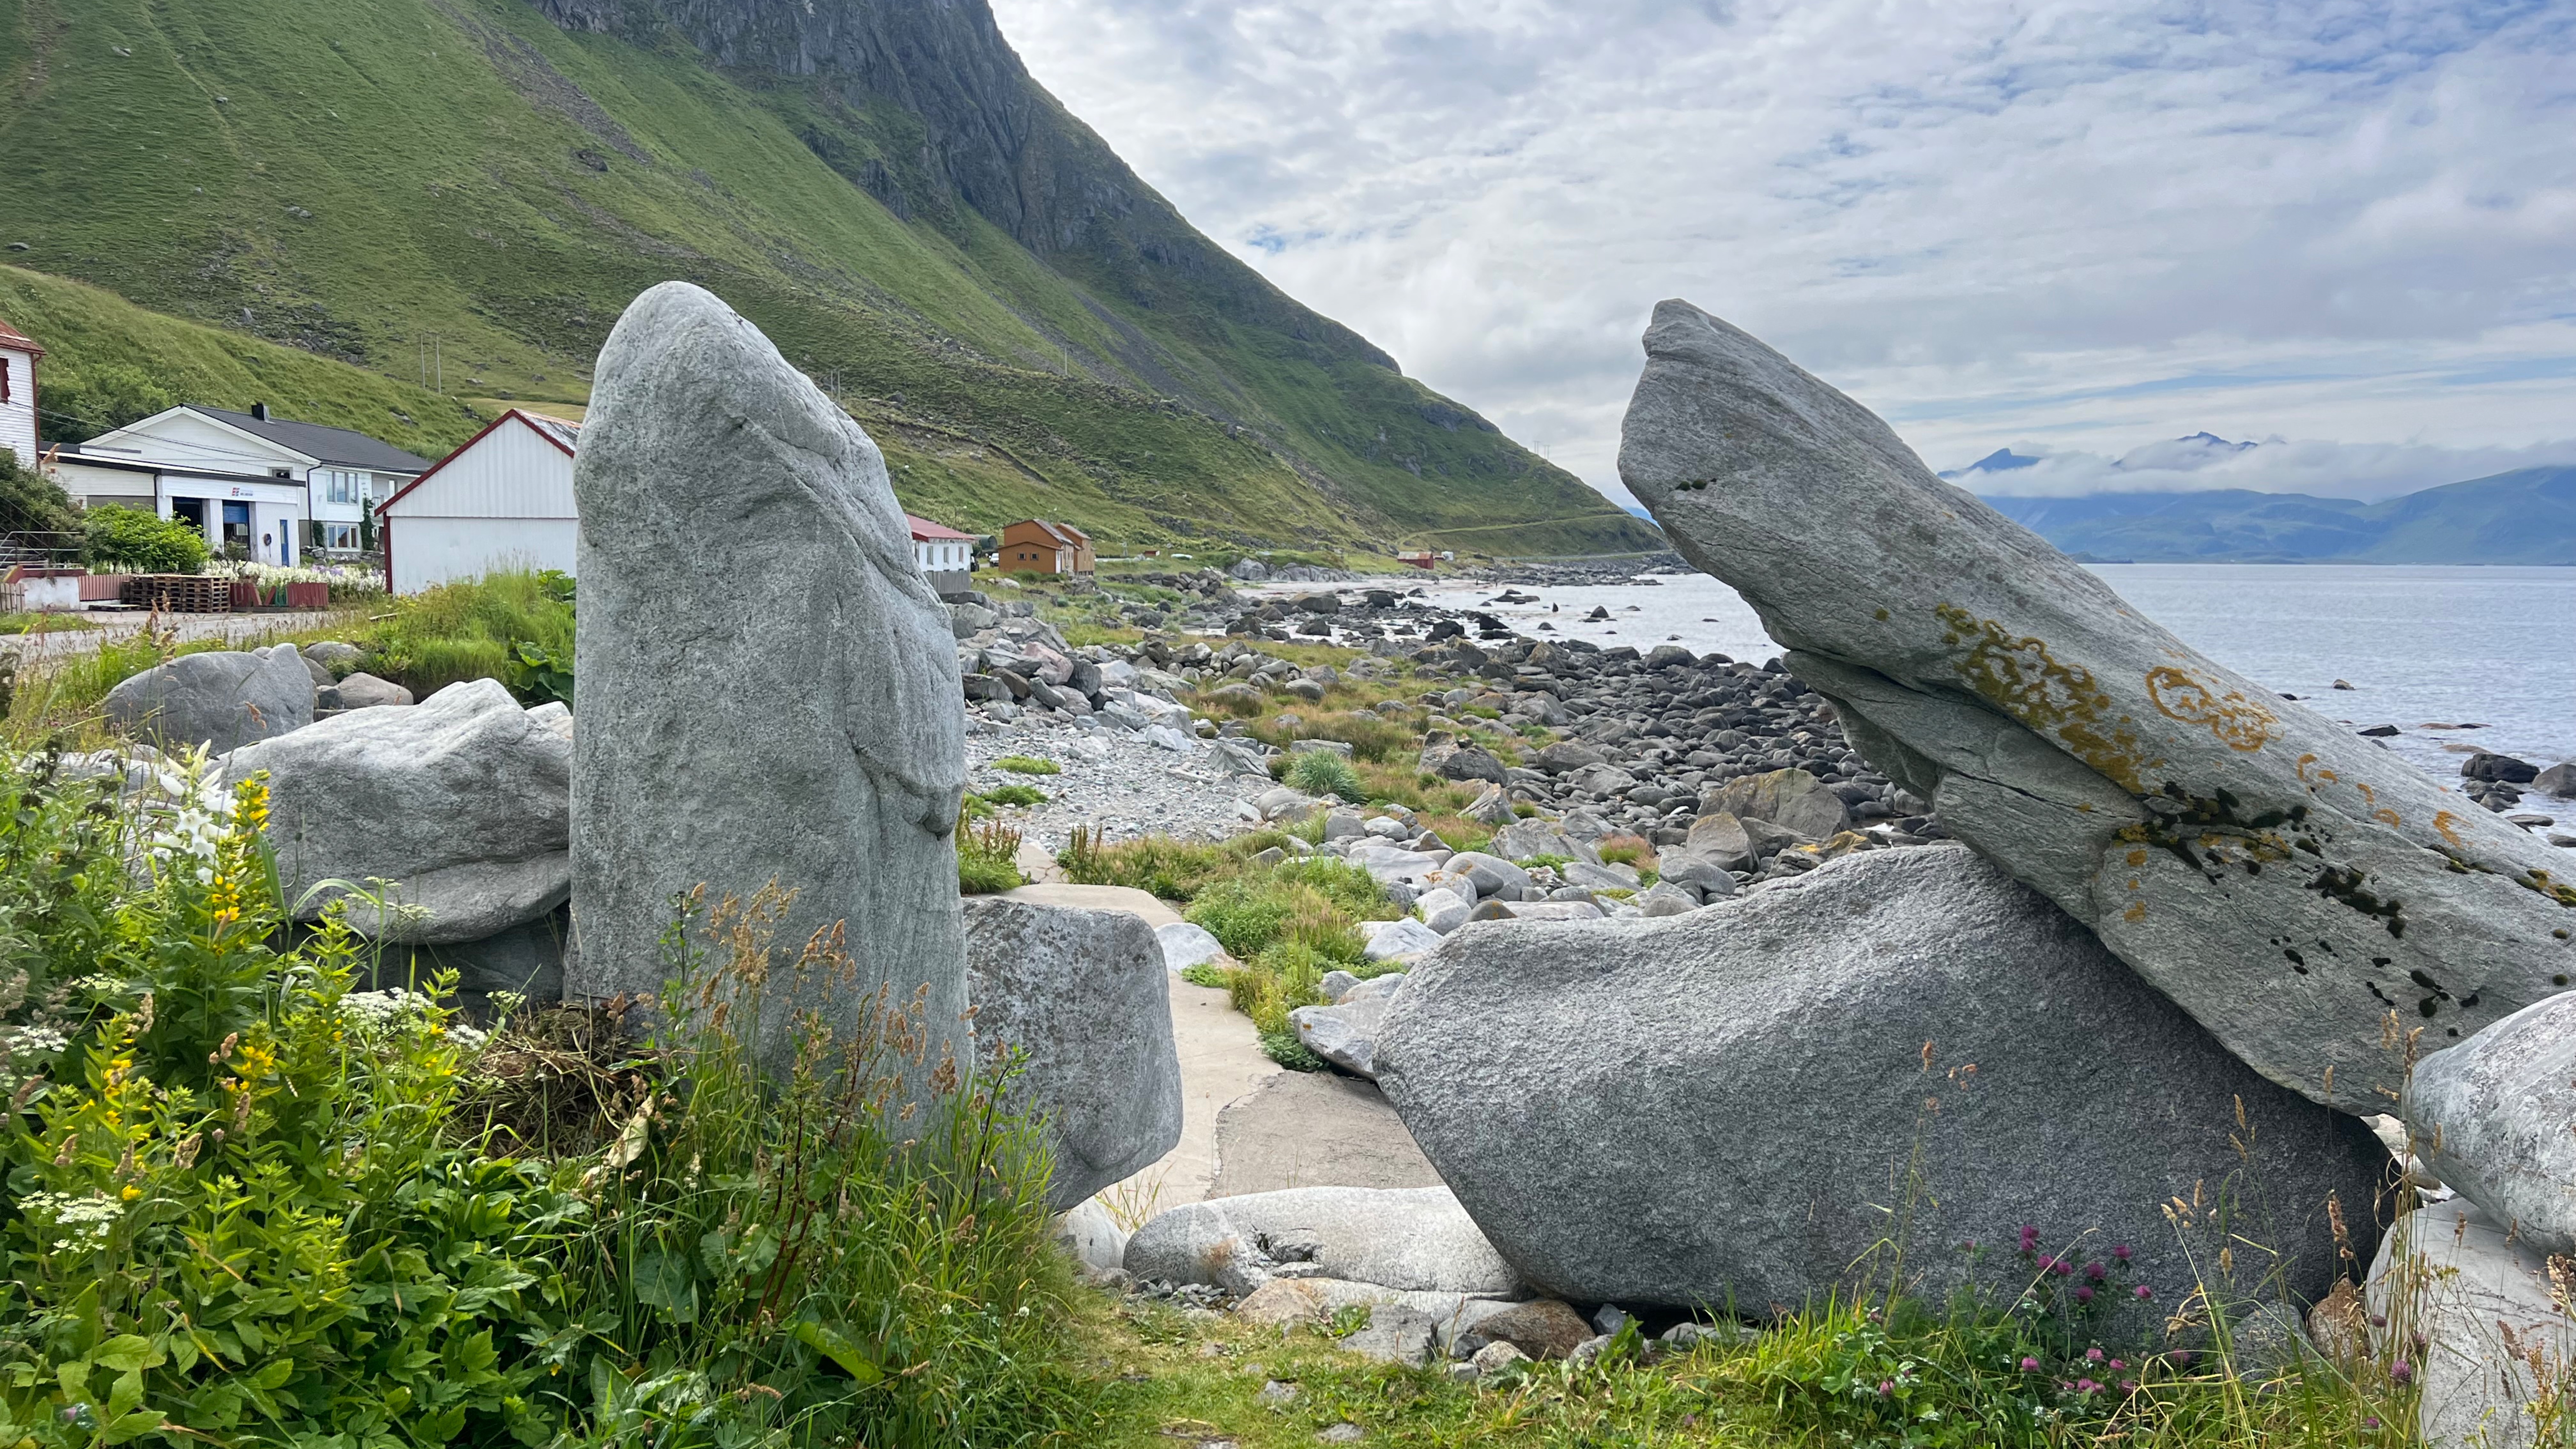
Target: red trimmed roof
column 925, row 531
column 564, row 435
column 11, row 337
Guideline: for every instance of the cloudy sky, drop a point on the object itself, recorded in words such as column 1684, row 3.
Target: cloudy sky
column 2078, row 229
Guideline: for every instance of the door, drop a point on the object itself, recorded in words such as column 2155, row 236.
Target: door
column 237, row 534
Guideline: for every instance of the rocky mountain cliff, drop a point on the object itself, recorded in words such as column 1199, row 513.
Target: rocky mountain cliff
column 476, row 187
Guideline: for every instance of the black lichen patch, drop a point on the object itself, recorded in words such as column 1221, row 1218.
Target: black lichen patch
column 2344, row 884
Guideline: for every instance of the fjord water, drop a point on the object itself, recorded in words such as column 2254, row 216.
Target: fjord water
column 2420, row 645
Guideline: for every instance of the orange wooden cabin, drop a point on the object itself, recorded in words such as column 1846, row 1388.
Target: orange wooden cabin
column 1036, row 546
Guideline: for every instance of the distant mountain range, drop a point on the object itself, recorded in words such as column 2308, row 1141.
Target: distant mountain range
column 2527, row 516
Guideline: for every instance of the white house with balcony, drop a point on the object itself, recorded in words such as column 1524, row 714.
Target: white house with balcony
column 265, row 486
column 503, row 500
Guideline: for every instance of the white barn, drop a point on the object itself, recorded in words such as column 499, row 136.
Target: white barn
column 503, row 500
column 18, row 354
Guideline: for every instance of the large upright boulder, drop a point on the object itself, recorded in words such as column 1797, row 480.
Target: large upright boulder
column 1740, row 1104
column 2287, row 883
column 768, row 686
column 1084, row 994
column 463, row 802
column 222, row 699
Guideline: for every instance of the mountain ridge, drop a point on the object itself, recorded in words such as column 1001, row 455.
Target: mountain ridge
column 2524, row 516
column 878, row 183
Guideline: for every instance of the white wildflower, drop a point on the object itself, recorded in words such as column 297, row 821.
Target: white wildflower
column 83, row 1221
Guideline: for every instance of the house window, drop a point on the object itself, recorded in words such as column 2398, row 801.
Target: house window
column 4, row 379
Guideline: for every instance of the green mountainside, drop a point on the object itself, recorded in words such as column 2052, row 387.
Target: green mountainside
column 128, row 363
column 1018, row 318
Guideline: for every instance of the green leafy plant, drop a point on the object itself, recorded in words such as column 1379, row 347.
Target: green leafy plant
column 538, row 674
column 508, row 625
column 235, row 1214
column 1027, row 765
column 1021, row 795
column 129, row 540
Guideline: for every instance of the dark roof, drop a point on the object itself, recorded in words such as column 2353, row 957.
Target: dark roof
column 332, row 445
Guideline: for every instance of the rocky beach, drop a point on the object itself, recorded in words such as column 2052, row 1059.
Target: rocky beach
column 1634, row 996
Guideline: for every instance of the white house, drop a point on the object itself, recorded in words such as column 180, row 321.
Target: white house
column 271, row 486
column 503, row 500
column 18, row 354
column 945, row 555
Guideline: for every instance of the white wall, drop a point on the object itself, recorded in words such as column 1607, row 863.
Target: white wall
column 510, row 472
column 504, row 501
column 18, row 414
column 428, row 551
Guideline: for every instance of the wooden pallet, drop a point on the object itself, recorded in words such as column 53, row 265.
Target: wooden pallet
column 179, row 593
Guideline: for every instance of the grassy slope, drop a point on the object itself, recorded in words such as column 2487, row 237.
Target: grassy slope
column 354, row 179
column 91, row 325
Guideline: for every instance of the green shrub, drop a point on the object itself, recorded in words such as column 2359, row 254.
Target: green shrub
column 1022, row 795
column 129, row 540
column 1323, row 772
column 1027, row 765
column 248, row 1206
column 32, row 502
column 235, row 1212
column 1244, row 916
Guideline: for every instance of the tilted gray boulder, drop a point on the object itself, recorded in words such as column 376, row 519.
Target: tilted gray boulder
column 463, row 801
column 769, row 691
column 1085, row 995
column 222, row 700
column 1395, row 1237
column 1738, row 1104
column 2492, row 1119
column 2289, row 884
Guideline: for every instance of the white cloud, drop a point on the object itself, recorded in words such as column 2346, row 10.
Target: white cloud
column 2095, row 224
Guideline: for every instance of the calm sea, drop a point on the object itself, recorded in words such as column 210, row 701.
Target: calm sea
column 2486, row 646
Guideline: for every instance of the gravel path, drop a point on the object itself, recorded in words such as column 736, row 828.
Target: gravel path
column 1113, row 781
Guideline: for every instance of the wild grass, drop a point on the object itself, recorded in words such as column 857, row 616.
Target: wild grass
column 988, row 857
column 1812, row 1379
column 1322, row 772
column 258, row 1204
column 1172, row 869
column 1371, row 736
column 485, row 628
column 855, row 1251
column 1027, row 765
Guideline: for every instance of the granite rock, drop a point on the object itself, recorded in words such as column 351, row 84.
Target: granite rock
column 1084, row 993
column 769, row 686
column 1716, row 1106
column 463, row 802
column 2284, row 881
